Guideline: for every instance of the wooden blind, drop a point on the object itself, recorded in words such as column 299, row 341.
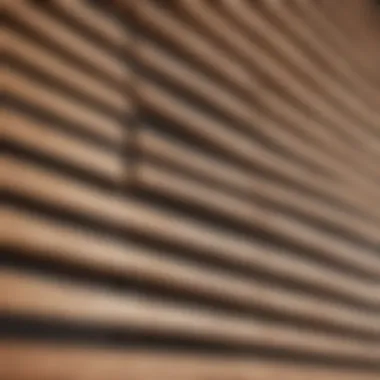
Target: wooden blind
column 191, row 190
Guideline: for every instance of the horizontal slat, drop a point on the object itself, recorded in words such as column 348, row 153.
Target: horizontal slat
column 171, row 29
column 42, row 297
column 36, row 361
column 191, row 41
column 39, row 237
column 313, row 32
column 167, row 27
column 332, row 34
column 157, row 146
column 56, row 32
column 300, row 34
column 279, row 44
column 200, row 124
column 220, row 28
column 48, row 140
column 27, row 51
column 250, row 225
column 202, row 87
column 136, row 216
column 357, row 43
column 279, row 113
column 237, row 145
column 232, row 208
column 268, row 221
column 45, row 98
column 103, row 24
column 267, row 65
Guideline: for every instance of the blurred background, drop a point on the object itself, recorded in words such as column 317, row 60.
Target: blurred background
column 191, row 190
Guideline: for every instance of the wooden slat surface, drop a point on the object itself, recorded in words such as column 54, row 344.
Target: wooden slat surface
column 235, row 209
column 289, row 49
column 158, row 147
column 304, row 65
column 27, row 51
column 32, row 92
column 39, row 137
column 263, row 62
column 313, row 31
column 34, row 18
column 41, row 238
column 154, row 18
column 114, row 210
column 193, row 190
column 87, row 362
column 41, row 297
column 202, row 87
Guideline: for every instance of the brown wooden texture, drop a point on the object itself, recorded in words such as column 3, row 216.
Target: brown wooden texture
column 192, row 190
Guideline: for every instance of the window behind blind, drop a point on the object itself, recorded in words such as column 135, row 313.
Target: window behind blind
column 191, row 190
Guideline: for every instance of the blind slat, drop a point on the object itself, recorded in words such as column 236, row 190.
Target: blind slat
column 28, row 52
column 134, row 216
column 194, row 182
column 62, row 36
column 89, row 363
column 46, row 139
column 41, row 238
column 156, row 146
column 44, row 297
column 89, row 120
